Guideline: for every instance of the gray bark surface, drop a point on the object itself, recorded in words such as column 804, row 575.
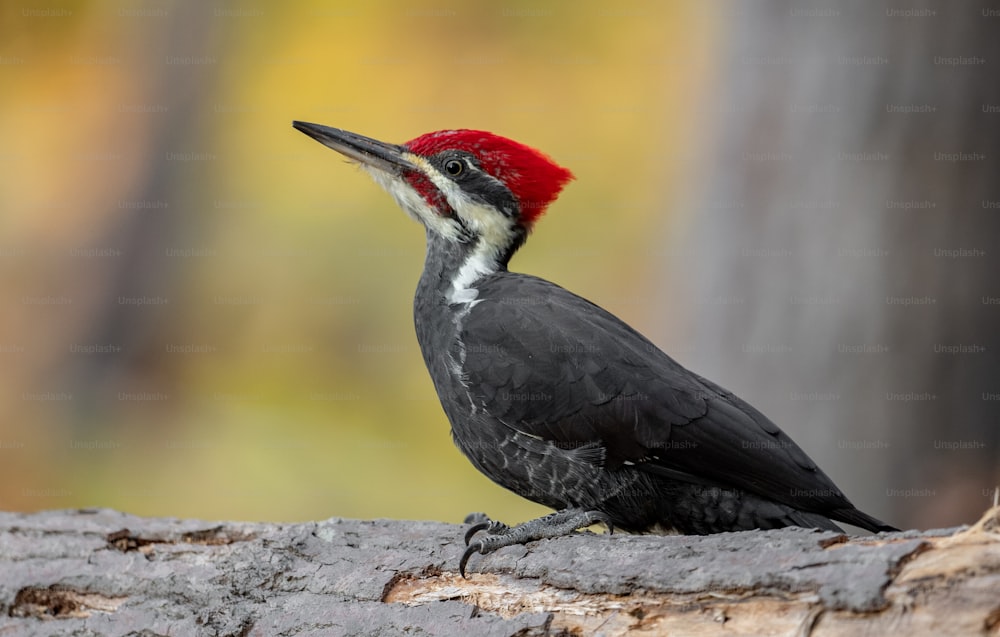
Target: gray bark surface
column 102, row 572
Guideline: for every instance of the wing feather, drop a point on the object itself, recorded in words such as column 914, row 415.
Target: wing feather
column 560, row 368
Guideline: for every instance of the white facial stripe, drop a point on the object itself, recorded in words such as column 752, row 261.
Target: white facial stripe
column 412, row 202
column 493, row 228
column 494, row 235
column 494, row 231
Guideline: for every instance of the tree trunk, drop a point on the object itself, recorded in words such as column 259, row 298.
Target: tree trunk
column 840, row 263
column 109, row 573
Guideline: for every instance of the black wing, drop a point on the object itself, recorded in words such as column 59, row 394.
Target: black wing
column 554, row 365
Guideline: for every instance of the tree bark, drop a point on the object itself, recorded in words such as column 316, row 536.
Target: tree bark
column 840, row 266
column 103, row 572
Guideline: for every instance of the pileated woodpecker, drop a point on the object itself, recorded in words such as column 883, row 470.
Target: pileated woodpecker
column 555, row 398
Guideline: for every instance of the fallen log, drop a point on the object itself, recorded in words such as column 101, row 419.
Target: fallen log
column 110, row 573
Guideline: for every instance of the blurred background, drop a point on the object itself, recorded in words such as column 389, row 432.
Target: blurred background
column 207, row 314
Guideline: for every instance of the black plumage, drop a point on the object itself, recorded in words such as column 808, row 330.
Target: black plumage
column 555, row 398
column 564, row 404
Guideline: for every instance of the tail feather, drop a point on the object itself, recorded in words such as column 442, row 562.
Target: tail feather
column 809, row 520
column 861, row 519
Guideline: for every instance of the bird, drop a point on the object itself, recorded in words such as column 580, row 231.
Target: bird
column 555, row 398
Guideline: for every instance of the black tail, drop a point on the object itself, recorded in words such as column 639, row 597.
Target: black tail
column 862, row 519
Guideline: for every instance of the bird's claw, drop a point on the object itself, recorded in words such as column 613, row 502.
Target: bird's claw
column 482, row 522
column 472, row 549
column 476, row 528
column 499, row 535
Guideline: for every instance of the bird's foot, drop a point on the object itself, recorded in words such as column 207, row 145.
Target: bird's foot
column 499, row 535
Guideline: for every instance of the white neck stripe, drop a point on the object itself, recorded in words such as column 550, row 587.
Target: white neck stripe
column 481, row 262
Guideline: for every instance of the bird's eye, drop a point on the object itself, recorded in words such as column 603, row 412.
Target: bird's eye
column 454, row 167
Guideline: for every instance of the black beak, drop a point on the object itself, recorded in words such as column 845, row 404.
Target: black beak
column 371, row 152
